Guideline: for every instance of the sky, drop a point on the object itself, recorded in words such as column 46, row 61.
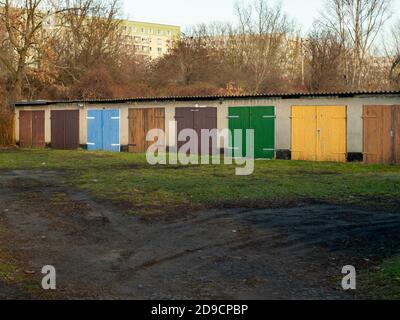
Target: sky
column 191, row 12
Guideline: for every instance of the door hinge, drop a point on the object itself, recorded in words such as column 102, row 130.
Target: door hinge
column 392, row 133
column 233, row 117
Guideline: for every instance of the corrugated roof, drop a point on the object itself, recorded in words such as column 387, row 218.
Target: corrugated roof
column 210, row 97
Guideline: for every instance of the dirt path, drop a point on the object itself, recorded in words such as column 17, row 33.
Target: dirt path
column 100, row 252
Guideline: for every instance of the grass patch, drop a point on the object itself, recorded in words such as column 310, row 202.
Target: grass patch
column 128, row 179
column 381, row 282
column 8, row 272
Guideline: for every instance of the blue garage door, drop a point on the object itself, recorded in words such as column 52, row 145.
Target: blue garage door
column 103, row 130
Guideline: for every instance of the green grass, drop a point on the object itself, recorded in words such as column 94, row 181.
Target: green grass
column 7, row 271
column 382, row 282
column 128, row 179
column 143, row 189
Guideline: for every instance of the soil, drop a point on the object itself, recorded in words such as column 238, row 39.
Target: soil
column 101, row 252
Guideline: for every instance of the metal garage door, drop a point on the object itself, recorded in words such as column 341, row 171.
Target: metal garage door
column 141, row 121
column 31, row 129
column 319, row 133
column 262, row 121
column 381, row 134
column 198, row 119
column 103, row 130
column 65, row 129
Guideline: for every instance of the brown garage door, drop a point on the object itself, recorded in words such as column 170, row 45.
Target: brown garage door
column 141, row 121
column 31, row 129
column 65, row 129
column 381, row 134
column 197, row 119
column 397, row 134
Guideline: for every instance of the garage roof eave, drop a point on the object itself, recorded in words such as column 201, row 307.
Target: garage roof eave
column 345, row 94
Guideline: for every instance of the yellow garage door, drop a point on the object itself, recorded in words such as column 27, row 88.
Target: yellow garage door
column 319, row 133
column 304, row 139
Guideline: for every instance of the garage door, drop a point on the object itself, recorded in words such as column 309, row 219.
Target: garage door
column 262, row 121
column 65, row 129
column 31, row 129
column 103, row 130
column 319, row 133
column 141, row 121
column 198, row 119
column 381, row 134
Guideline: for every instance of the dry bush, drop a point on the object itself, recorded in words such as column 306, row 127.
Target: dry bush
column 94, row 84
column 7, row 128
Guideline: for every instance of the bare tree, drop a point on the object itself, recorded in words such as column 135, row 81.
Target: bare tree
column 258, row 43
column 395, row 56
column 90, row 35
column 357, row 23
column 22, row 22
column 323, row 61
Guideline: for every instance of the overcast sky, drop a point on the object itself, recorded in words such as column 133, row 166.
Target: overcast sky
column 191, row 12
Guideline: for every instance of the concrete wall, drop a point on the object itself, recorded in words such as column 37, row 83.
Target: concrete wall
column 283, row 114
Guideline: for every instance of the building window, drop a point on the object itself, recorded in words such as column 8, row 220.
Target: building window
column 159, row 50
column 142, row 30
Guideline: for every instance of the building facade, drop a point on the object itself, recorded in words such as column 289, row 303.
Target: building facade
column 150, row 40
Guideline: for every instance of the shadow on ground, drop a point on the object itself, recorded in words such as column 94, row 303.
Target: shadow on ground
column 100, row 252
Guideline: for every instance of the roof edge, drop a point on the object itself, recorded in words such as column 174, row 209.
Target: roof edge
column 344, row 94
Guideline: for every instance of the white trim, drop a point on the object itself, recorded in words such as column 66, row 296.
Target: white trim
column 90, row 144
column 115, row 118
column 90, row 118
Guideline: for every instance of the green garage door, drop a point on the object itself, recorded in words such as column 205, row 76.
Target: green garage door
column 262, row 120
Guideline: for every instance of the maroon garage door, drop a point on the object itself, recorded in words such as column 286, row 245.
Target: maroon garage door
column 65, row 129
column 197, row 119
column 31, row 129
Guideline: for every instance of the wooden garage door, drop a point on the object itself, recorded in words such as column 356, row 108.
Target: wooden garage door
column 397, row 134
column 65, row 129
column 319, row 133
column 304, row 138
column 331, row 133
column 262, row 121
column 31, row 129
column 197, row 119
column 381, row 134
column 141, row 121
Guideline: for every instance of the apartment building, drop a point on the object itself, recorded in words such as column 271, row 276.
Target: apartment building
column 149, row 39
